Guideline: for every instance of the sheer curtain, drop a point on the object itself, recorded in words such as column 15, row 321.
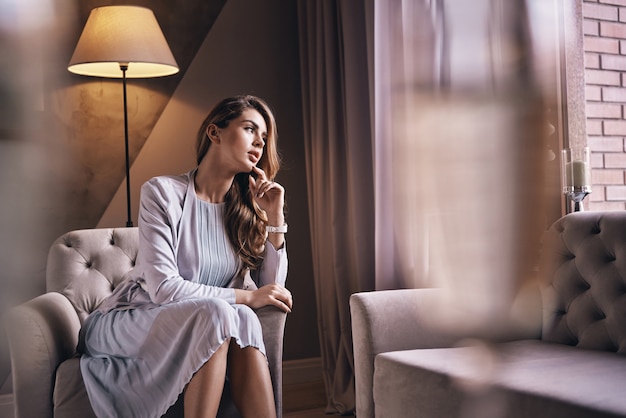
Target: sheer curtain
column 338, row 146
column 422, row 137
column 408, row 46
column 347, row 58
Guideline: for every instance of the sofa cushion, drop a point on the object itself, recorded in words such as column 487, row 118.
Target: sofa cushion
column 585, row 282
column 518, row 379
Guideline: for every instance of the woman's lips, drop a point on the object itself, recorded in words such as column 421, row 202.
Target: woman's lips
column 254, row 157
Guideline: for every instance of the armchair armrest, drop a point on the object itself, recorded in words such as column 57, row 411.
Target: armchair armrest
column 273, row 325
column 41, row 333
column 390, row 320
column 410, row 319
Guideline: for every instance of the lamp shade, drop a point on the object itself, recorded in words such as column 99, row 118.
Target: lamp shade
column 115, row 35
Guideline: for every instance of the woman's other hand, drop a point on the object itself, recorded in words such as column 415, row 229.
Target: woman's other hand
column 268, row 295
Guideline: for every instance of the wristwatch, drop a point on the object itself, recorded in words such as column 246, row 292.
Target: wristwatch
column 277, row 229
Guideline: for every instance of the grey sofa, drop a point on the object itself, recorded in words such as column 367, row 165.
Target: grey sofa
column 83, row 268
column 571, row 365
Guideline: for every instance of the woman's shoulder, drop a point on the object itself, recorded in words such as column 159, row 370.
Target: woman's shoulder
column 168, row 182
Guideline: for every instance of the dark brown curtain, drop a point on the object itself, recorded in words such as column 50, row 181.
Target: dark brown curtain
column 338, row 146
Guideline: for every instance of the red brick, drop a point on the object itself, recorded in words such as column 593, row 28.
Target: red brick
column 604, row 206
column 613, row 62
column 592, row 60
column 597, row 194
column 593, row 93
column 604, row 110
column 603, row 78
column 597, row 160
column 600, row 12
column 613, row 30
column 614, row 127
column 605, row 144
column 615, row 160
column 622, row 14
column 591, row 27
column 597, row 44
column 614, row 193
column 614, row 94
column 615, row 2
column 594, row 127
column 611, row 177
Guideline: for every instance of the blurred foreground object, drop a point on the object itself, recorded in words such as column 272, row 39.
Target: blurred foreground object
column 31, row 154
column 470, row 147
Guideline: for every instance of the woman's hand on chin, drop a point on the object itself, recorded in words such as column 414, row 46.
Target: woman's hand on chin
column 269, row 195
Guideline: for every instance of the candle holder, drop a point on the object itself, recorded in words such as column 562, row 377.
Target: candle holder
column 576, row 176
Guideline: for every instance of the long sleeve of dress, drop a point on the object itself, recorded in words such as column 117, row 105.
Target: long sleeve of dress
column 274, row 267
column 158, row 238
column 168, row 251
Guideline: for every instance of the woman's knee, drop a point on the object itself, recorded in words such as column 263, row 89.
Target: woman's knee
column 216, row 309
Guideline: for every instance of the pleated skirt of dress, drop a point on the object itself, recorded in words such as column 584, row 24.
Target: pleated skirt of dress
column 137, row 362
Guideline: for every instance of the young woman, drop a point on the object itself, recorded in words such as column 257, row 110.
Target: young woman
column 211, row 248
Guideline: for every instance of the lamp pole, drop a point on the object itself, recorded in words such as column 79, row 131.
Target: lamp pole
column 129, row 221
column 114, row 37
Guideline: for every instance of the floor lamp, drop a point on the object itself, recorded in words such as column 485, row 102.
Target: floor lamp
column 123, row 42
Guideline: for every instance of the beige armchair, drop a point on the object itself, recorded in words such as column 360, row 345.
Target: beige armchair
column 566, row 358
column 83, row 269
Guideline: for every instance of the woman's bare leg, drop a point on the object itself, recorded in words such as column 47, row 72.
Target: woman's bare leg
column 250, row 382
column 204, row 391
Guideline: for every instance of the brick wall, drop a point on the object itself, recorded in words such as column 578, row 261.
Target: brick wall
column 604, row 27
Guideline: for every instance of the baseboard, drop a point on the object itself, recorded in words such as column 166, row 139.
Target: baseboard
column 306, row 370
column 6, row 406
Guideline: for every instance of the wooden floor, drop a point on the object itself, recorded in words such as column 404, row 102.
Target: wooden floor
column 304, row 400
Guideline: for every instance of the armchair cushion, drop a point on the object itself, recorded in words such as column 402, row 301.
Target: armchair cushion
column 87, row 265
column 525, row 378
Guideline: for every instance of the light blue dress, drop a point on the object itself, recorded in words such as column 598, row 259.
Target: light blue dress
column 176, row 307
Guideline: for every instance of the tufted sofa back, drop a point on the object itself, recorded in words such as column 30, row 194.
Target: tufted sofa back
column 584, row 297
column 86, row 265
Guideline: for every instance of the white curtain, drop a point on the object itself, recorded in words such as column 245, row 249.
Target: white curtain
column 422, row 138
column 408, row 43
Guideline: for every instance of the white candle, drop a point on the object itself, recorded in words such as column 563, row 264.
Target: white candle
column 578, row 171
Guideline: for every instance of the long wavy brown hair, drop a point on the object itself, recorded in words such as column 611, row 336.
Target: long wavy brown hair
column 245, row 221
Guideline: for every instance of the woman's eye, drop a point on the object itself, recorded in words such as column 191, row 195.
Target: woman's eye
column 249, row 129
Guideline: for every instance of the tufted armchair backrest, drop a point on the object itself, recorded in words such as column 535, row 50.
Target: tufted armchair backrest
column 584, row 298
column 86, row 265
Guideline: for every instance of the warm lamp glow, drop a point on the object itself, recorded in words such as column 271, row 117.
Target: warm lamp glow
column 115, row 35
column 123, row 42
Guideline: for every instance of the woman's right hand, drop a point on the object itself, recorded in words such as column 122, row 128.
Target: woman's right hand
column 270, row 294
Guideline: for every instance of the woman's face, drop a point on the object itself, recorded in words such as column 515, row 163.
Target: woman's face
column 241, row 142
